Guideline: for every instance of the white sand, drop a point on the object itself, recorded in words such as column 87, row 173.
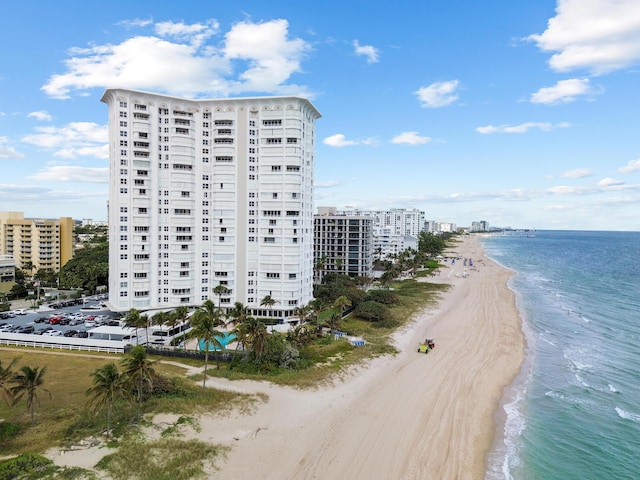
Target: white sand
column 408, row 416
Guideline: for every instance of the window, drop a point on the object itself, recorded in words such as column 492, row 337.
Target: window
column 273, row 141
column 292, row 276
column 276, row 168
column 273, row 275
column 271, row 123
column 292, row 140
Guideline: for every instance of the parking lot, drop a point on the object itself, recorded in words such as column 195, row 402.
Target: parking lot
column 70, row 319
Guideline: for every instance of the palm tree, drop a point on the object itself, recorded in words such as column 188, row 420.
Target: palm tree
column 268, row 302
column 317, row 307
column 107, row 388
column 334, row 322
column 160, row 319
column 342, row 302
column 319, row 267
column 6, row 376
column 338, row 263
column 220, row 290
column 257, row 337
column 135, row 319
column 29, row 382
column 238, row 313
column 303, row 312
column 138, row 371
column 205, row 325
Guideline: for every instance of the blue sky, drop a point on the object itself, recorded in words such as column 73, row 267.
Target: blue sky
column 523, row 114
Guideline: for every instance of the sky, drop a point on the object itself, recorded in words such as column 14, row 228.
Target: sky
column 523, row 114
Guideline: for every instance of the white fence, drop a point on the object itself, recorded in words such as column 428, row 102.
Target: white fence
column 62, row 343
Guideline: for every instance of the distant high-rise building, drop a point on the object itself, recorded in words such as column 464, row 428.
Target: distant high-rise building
column 398, row 221
column 37, row 243
column 210, row 192
column 342, row 244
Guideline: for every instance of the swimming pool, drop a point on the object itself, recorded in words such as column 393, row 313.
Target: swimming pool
column 225, row 340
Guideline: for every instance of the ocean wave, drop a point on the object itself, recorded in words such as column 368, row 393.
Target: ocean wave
column 613, row 389
column 627, row 416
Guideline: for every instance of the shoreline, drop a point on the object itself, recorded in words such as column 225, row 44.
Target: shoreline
column 406, row 416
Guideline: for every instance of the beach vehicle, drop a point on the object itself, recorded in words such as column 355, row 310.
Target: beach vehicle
column 426, row 346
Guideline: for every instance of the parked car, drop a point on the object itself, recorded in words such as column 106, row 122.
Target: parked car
column 76, row 321
column 43, row 330
column 25, row 329
column 7, row 327
column 55, row 320
column 53, row 333
column 82, row 334
column 70, row 333
column 20, row 311
column 4, row 315
column 41, row 320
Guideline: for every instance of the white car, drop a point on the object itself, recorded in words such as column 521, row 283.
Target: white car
column 53, row 333
column 20, row 311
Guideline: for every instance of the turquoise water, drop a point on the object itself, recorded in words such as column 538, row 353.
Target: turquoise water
column 225, row 340
column 574, row 412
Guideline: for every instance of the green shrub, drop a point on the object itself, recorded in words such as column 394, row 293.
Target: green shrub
column 8, row 430
column 372, row 311
column 25, row 464
column 386, row 297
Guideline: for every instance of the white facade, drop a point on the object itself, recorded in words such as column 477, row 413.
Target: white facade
column 206, row 193
column 387, row 244
column 400, row 221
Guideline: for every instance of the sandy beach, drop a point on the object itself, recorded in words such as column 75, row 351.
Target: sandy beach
column 406, row 416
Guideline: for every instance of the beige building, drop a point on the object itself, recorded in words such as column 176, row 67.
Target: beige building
column 7, row 274
column 44, row 243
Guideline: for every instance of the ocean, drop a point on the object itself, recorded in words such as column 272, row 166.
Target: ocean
column 574, row 411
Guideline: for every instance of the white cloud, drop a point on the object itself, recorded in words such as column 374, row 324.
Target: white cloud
column 73, row 140
column 564, row 91
column 7, row 152
column 577, row 173
column 438, row 94
column 598, row 35
column 271, row 55
column 136, row 22
column 338, row 140
column 411, row 138
column 327, row 184
column 194, row 34
column 366, row 50
column 42, row 115
column 66, row 173
column 609, row 182
column 522, row 128
column 632, row 166
column 178, row 61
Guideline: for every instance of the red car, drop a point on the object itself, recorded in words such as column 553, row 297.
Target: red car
column 55, row 320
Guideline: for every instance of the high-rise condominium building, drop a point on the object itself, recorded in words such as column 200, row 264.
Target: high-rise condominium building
column 400, row 221
column 38, row 243
column 343, row 244
column 210, row 192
